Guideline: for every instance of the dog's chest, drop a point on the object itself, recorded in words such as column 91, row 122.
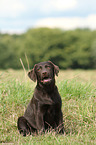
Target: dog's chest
column 48, row 110
column 54, row 98
column 51, row 110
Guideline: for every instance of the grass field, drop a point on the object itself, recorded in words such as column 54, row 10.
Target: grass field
column 78, row 92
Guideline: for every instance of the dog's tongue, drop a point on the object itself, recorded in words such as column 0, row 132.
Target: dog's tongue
column 46, row 80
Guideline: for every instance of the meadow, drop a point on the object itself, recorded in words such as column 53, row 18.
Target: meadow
column 78, row 93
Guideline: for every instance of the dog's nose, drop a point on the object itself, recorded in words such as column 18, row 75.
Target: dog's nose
column 44, row 73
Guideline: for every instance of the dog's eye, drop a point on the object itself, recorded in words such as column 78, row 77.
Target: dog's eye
column 47, row 66
column 38, row 69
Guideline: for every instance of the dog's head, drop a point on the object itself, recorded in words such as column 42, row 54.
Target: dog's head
column 44, row 72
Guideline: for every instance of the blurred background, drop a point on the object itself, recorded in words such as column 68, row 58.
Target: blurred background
column 57, row 30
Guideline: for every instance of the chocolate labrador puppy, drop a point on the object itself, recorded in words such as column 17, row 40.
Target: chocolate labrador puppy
column 44, row 110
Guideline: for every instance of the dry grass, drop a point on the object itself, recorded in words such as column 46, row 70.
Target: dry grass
column 80, row 75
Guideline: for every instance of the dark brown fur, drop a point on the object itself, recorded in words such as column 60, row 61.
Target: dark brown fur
column 44, row 110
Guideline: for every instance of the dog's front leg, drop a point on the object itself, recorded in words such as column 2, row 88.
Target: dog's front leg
column 40, row 122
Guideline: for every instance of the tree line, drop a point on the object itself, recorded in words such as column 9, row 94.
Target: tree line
column 67, row 49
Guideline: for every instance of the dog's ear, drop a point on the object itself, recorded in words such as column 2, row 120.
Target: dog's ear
column 32, row 75
column 56, row 68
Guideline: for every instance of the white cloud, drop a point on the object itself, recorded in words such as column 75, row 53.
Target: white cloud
column 64, row 5
column 19, row 15
column 15, row 26
column 57, row 5
column 11, row 8
column 13, row 31
column 68, row 23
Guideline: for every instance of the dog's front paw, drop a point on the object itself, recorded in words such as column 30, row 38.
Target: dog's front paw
column 24, row 132
column 41, row 131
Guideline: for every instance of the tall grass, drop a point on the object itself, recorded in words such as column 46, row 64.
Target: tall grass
column 78, row 105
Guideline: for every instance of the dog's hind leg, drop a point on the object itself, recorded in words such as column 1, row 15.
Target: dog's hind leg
column 23, row 126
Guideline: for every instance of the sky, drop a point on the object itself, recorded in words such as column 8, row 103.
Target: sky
column 17, row 16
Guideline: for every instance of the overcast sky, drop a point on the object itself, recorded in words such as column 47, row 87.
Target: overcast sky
column 17, row 16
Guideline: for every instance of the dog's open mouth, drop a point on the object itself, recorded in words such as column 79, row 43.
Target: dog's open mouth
column 46, row 80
